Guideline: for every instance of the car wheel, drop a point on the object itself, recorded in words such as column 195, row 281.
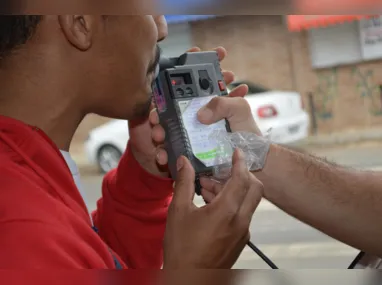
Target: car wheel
column 108, row 158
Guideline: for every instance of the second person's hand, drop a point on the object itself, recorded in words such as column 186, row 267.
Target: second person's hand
column 213, row 236
column 233, row 108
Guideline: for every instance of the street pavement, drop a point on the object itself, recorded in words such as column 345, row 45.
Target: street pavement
column 288, row 242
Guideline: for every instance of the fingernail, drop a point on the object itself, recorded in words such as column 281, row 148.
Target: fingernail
column 179, row 163
column 205, row 114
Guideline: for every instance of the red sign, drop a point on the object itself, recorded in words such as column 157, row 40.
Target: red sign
column 305, row 22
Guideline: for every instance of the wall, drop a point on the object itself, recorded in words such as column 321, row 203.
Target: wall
column 346, row 97
column 257, row 47
column 263, row 51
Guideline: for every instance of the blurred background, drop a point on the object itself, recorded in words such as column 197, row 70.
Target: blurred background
column 316, row 80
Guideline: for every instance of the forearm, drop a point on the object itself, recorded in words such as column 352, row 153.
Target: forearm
column 343, row 203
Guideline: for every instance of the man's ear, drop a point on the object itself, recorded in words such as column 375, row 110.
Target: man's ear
column 78, row 30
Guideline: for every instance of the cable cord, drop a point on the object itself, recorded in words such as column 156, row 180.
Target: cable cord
column 262, row 255
column 272, row 265
column 356, row 260
column 254, row 247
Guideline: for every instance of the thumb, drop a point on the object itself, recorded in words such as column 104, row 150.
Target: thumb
column 233, row 109
column 185, row 183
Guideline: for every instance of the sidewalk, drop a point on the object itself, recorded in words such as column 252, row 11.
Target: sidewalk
column 343, row 138
column 313, row 142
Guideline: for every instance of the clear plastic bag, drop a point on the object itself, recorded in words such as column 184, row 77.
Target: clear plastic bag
column 254, row 147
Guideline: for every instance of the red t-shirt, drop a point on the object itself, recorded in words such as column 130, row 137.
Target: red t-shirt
column 44, row 223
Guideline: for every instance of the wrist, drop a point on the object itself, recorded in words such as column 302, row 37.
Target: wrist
column 269, row 158
column 266, row 171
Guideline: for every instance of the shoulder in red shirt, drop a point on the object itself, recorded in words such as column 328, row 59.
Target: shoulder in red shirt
column 44, row 221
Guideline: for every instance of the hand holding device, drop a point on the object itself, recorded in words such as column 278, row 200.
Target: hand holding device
column 146, row 137
column 184, row 86
column 158, row 133
column 213, row 236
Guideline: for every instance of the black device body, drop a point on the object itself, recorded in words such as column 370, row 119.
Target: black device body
column 181, row 79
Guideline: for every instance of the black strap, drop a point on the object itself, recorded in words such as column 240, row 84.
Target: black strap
column 117, row 264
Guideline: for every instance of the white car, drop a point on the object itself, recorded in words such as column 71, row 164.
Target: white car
column 281, row 112
column 278, row 111
column 106, row 144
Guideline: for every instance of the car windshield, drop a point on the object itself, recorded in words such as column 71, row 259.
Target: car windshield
column 253, row 88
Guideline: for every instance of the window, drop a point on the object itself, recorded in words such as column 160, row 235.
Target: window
column 335, row 45
column 371, row 38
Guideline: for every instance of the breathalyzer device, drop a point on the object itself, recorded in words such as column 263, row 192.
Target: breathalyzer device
column 183, row 86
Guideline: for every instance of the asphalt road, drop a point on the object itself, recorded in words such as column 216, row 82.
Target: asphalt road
column 288, row 242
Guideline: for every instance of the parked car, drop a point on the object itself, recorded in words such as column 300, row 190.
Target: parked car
column 282, row 112
column 106, row 144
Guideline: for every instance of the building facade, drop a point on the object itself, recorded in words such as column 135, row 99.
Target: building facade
column 336, row 64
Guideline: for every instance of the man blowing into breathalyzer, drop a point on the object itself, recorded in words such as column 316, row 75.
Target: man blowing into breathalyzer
column 54, row 70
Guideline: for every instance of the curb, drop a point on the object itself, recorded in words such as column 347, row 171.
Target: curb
column 354, row 137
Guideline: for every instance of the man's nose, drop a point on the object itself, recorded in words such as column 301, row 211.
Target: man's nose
column 162, row 27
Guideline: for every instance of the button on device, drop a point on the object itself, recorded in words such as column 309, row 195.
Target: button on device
column 189, row 91
column 179, row 92
column 221, row 85
column 204, row 83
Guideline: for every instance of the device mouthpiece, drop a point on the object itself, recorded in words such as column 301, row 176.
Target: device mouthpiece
column 166, row 63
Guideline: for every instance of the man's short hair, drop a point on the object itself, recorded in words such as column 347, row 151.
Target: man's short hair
column 16, row 30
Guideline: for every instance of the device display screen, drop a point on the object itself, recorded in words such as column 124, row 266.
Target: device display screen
column 181, row 79
column 177, row 81
column 207, row 150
